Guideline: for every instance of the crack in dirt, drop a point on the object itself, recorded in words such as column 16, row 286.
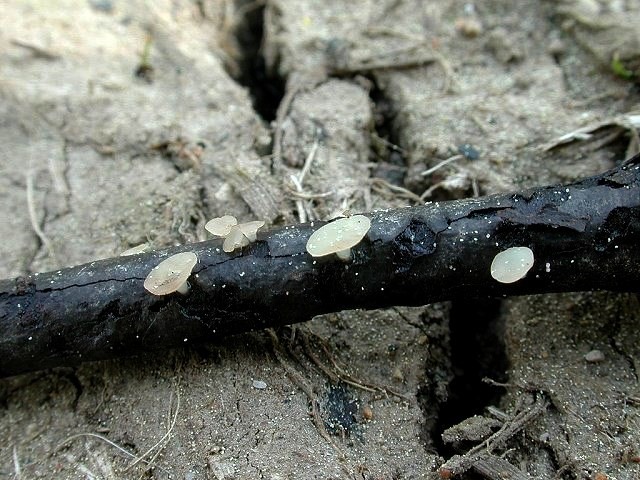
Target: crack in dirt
column 614, row 332
column 265, row 88
column 248, row 20
column 466, row 351
column 477, row 351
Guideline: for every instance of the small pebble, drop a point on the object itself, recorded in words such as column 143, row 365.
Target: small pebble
column 594, row 356
column 259, row 384
column 468, row 27
column 469, row 151
column 367, row 413
column 104, row 6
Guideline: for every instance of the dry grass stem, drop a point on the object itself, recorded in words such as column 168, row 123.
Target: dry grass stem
column 304, row 210
column 160, row 443
column 33, row 216
column 381, row 186
column 437, row 167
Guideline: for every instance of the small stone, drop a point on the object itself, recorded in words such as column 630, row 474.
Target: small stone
column 222, row 470
column 472, row 429
column 259, row 384
column 468, row 27
column 594, row 356
column 469, row 151
column 367, row 413
column 556, row 47
column 104, row 6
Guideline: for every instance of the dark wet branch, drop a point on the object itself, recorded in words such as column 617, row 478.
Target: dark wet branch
column 585, row 236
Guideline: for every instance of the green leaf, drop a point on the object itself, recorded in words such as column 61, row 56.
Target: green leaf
column 619, row 69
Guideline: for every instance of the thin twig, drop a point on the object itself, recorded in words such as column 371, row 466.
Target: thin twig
column 348, row 378
column 164, row 437
column 33, row 217
column 299, row 381
column 293, row 89
column 461, row 463
column 380, row 185
column 584, row 236
column 308, row 161
column 104, row 439
column 38, row 52
column 298, row 181
column 16, row 464
column 449, row 160
column 310, row 196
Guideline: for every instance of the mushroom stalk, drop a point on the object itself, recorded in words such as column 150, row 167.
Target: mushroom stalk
column 344, row 255
column 184, row 288
column 584, row 236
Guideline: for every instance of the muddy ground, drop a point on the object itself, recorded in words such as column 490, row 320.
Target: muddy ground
column 125, row 122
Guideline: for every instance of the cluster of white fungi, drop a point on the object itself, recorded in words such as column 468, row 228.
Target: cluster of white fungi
column 171, row 274
column 235, row 235
column 338, row 237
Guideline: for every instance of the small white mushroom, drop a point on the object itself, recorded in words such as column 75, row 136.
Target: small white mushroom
column 235, row 239
column 338, row 237
column 594, row 356
column 171, row 274
column 250, row 229
column 136, row 250
column 221, row 226
column 512, row 264
column 235, row 235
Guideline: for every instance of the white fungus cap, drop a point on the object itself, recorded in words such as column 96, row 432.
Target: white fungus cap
column 221, row 226
column 339, row 235
column 171, row 274
column 136, row 250
column 235, row 236
column 250, row 229
column 512, row 264
column 235, row 239
column 241, row 235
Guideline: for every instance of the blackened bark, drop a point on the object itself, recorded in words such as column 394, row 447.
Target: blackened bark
column 585, row 236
